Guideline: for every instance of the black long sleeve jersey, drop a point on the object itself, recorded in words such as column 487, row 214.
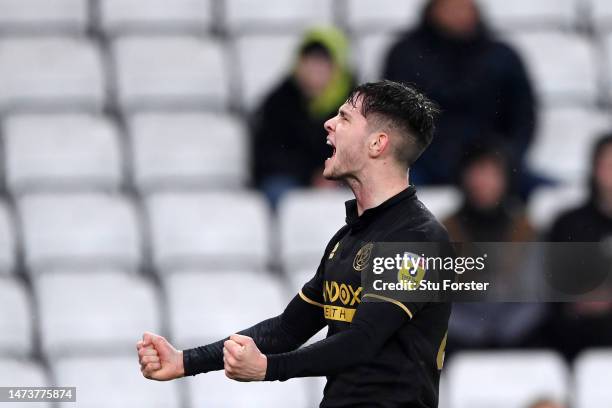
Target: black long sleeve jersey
column 379, row 352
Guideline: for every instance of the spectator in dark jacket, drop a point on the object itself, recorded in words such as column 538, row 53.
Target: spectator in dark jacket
column 576, row 326
column 289, row 147
column 479, row 82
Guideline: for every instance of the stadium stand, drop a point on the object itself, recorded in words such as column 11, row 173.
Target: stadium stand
column 16, row 324
column 24, row 373
column 116, row 382
column 125, row 16
column 527, row 14
column 170, row 72
column 592, row 379
column 72, row 78
column 52, row 152
column 505, row 379
column 371, row 50
column 441, row 201
column 382, row 15
column 106, row 312
column 44, row 16
column 174, row 151
column 547, row 203
column 212, row 230
column 83, row 229
column 8, row 241
column 600, row 13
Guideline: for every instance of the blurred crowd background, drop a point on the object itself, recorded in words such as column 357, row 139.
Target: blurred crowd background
column 162, row 171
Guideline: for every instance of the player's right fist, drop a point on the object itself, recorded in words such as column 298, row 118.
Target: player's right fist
column 158, row 359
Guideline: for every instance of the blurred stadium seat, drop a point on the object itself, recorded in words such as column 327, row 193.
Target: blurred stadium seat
column 547, row 203
column 8, row 240
column 24, row 373
column 307, row 221
column 95, row 312
column 442, row 201
column 562, row 147
column 263, row 61
column 16, row 323
column 215, row 390
column 121, row 16
column 171, row 72
column 51, row 152
column 520, row 14
column 371, row 51
column 276, row 15
column 607, row 67
column 36, row 16
column 200, row 308
column 505, row 379
column 79, row 230
column 382, row 15
column 104, row 381
column 188, row 151
column 562, row 66
column 592, row 379
column 72, row 77
column 600, row 13
column 209, row 230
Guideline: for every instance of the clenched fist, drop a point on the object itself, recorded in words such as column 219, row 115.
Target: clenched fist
column 158, row 359
column 242, row 359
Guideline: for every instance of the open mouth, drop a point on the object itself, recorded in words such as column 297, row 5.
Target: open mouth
column 329, row 143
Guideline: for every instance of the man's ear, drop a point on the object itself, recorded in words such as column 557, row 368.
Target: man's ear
column 378, row 144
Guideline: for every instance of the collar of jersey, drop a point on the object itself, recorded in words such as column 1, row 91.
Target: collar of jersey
column 358, row 222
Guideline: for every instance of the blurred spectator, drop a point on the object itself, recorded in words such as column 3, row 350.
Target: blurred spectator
column 576, row 326
column 545, row 403
column 480, row 83
column 489, row 214
column 289, row 146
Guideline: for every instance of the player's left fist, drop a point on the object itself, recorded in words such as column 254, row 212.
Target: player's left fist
column 242, row 359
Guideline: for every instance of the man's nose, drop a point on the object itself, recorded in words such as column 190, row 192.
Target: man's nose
column 329, row 124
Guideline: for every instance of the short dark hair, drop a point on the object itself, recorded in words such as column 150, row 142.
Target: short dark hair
column 401, row 107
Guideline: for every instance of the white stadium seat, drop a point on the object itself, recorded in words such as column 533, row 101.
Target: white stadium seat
column 294, row 16
column 264, row 60
column 442, row 201
column 79, row 229
column 151, row 15
column 188, row 150
column 24, row 373
column 216, row 390
column 15, row 319
column 308, row 220
column 562, row 147
column 547, row 203
column 43, row 15
column 372, row 50
column 206, row 306
column 72, row 76
column 600, row 13
column 592, row 379
column 210, row 230
column 8, row 240
column 86, row 313
column 383, row 15
column 169, row 71
column 505, row 379
column 520, row 14
column 113, row 381
column 608, row 66
column 562, row 66
column 54, row 151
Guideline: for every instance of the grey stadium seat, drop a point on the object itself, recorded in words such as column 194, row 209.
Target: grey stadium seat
column 188, row 150
column 8, row 241
column 24, row 373
column 383, row 15
column 43, row 16
column 114, row 381
column 372, row 50
column 521, row 14
column 294, row 16
column 72, row 76
column 16, row 321
column 547, row 203
column 200, row 308
column 120, row 16
column 87, row 313
column 211, row 230
column 63, row 230
column 171, row 71
column 510, row 379
column 75, row 151
column 600, row 13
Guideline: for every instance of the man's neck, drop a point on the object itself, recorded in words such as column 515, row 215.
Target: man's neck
column 371, row 191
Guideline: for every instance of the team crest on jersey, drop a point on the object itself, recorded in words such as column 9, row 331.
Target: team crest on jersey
column 362, row 259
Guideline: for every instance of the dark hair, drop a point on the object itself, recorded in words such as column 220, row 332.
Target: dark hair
column 402, row 108
column 315, row 48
